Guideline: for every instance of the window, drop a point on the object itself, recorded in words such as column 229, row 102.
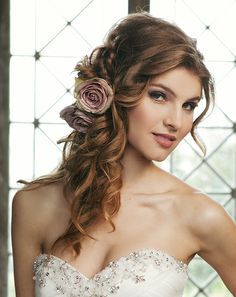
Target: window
column 48, row 37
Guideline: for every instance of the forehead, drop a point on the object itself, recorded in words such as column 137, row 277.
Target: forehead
column 181, row 81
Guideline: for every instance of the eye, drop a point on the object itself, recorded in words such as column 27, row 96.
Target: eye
column 192, row 105
column 157, row 95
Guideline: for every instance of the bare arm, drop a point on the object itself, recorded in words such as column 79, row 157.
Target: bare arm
column 217, row 234
column 26, row 241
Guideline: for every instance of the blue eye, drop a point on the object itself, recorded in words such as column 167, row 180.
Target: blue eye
column 157, row 95
column 192, row 105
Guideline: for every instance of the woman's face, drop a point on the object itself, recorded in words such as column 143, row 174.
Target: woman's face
column 167, row 107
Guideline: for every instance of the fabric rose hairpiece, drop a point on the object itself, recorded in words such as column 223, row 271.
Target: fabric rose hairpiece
column 93, row 96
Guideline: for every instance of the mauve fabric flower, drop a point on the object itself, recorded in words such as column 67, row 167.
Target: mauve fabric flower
column 75, row 118
column 93, row 95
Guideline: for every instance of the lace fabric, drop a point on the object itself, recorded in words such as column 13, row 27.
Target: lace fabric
column 151, row 273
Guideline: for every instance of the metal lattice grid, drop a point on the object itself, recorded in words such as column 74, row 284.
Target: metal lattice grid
column 46, row 43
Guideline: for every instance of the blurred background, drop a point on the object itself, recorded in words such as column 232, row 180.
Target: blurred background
column 41, row 41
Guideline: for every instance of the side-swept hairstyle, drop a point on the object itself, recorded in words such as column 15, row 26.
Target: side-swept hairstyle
column 137, row 48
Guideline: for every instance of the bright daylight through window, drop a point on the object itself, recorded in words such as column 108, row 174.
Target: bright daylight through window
column 49, row 37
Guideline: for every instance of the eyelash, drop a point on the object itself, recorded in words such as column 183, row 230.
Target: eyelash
column 192, row 105
column 158, row 94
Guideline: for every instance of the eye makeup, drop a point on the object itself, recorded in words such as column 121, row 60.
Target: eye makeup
column 171, row 92
column 155, row 94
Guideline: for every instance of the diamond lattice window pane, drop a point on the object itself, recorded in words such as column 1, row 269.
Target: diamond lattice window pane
column 21, row 152
column 225, row 95
column 213, row 48
column 48, row 90
column 45, row 145
column 53, row 35
column 213, row 138
column 227, row 168
column 22, row 89
column 51, row 114
column 69, row 10
column 207, row 180
column 223, row 26
column 68, row 43
column 163, row 9
column 217, row 119
column 220, row 69
column 22, row 24
column 207, row 11
column 95, row 27
column 184, row 160
column 201, row 273
column 48, row 23
column 62, row 68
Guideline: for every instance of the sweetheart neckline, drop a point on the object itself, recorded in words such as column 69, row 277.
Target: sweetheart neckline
column 178, row 262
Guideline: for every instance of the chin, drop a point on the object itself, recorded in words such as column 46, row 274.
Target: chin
column 157, row 157
column 160, row 158
column 164, row 156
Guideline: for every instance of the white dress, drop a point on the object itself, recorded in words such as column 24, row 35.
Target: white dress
column 143, row 273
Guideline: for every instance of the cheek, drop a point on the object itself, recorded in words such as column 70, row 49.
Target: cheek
column 187, row 126
column 141, row 117
column 138, row 122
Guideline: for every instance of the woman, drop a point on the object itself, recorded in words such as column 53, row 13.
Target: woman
column 108, row 222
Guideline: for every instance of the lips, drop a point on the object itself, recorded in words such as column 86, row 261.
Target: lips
column 165, row 140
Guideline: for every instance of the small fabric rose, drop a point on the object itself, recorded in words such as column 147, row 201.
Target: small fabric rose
column 75, row 118
column 93, row 95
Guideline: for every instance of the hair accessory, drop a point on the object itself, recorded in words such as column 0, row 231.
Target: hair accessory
column 92, row 96
column 75, row 118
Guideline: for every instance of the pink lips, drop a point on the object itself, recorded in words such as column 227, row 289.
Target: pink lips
column 164, row 140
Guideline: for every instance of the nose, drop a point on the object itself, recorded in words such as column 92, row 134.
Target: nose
column 173, row 119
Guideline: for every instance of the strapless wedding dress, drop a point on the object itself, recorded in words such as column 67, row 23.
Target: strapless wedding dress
column 144, row 273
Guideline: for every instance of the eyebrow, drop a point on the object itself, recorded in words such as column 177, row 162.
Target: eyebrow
column 167, row 89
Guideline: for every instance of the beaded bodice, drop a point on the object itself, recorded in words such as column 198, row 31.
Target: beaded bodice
column 146, row 273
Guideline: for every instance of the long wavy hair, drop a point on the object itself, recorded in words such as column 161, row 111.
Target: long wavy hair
column 137, row 48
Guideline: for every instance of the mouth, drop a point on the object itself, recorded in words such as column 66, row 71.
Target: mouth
column 165, row 140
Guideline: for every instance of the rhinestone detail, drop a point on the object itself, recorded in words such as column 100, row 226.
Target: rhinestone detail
column 71, row 283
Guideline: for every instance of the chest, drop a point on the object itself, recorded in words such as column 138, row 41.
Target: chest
column 138, row 226
column 136, row 222
column 143, row 273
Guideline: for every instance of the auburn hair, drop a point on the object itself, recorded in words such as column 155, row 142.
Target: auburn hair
column 137, row 48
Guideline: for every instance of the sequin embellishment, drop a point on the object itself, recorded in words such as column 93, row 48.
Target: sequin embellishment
column 71, row 283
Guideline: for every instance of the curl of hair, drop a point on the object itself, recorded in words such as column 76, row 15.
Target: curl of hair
column 136, row 49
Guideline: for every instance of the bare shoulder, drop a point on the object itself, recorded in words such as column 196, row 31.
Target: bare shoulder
column 32, row 208
column 41, row 200
column 201, row 211
column 204, row 212
column 195, row 200
column 200, row 208
column 215, row 232
column 43, row 194
column 207, row 220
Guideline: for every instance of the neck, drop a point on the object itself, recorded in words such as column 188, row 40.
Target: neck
column 137, row 171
